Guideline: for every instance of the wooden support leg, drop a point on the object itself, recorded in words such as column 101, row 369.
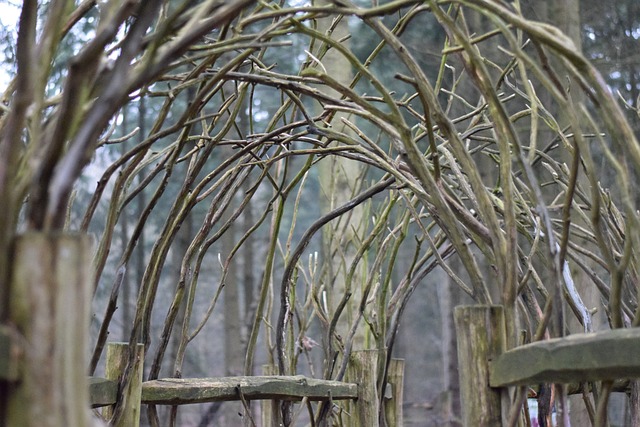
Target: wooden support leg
column 270, row 410
column 393, row 396
column 481, row 336
column 117, row 360
column 362, row 370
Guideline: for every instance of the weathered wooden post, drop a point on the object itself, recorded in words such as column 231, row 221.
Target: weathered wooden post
column 50, row 298
column 117, row 360
column 394, row 395
column 481, row 337
column 270, row 413
column 362, row 370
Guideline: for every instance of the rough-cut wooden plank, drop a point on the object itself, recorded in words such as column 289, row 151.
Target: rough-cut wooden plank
column 51, row 291
column 176, row 391
column 102, row 392
column 481, row 337
column 126, row 412
column 576, row 358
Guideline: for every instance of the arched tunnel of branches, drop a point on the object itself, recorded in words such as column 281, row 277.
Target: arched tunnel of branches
column 272, row 126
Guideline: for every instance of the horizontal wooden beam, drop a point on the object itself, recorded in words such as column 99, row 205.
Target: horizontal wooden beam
column 606, row 355
column 102, row 392
column 174, row 391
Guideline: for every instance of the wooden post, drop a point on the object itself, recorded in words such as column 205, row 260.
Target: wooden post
column 117, row 360
column 362, row 370
column 50, row 298
column 270, row 413
column 393, row 395
column 481, row 336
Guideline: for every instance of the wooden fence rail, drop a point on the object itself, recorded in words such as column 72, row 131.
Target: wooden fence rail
column 104, row 392
column 604, row 355
column 486, row 369
column 174, row 391
column 43, row 355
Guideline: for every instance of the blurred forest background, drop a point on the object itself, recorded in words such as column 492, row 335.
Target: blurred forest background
column 222, row 181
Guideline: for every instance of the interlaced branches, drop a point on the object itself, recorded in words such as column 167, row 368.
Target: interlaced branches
column 489, row 158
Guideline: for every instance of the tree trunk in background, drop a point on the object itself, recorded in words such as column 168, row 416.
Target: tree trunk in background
column 233, row 354
column 565, row 14
column 612, row 43
column 488, row 167
column 339, row 180
column 248, row 277
column 449, row 294
column 141, row 201
column 178, row 251
column 449, row 298
column 125, row 290
column 233, row 346
column 125, row 294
